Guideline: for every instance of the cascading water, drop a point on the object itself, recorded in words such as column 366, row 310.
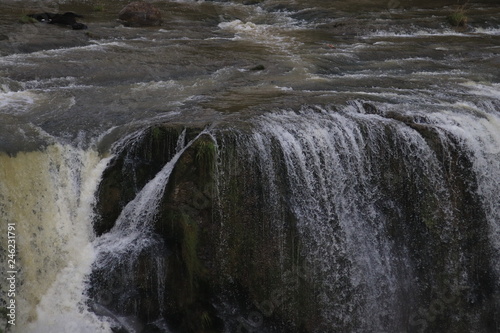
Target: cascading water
column 333, row 196
column 119, row 251
column 377, row 203
column 131, row 232
column 49, row 196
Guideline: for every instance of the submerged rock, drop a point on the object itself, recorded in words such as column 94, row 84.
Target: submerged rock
column 140, row 14
column 68, row 18
column 258, row 68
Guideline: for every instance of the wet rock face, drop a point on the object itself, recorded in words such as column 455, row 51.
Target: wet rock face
column 206, row 264
column 225, row 248
column 140, row 14
column 130, row 171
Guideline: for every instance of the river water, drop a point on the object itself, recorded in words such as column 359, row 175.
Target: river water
column 197, row 66
column 279, row 66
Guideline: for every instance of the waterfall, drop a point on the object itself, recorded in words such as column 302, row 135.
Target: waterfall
column 378, row 204
column 333, row 194
column 479, row 136
column 119, row 251
column 349, row 181
column 389, row 219
column 49, row 196
column 132, row 230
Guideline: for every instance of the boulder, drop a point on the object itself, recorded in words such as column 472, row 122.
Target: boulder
column 140, row 14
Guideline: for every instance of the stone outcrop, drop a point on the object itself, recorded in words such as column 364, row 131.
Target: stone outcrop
column 217, row 254
column 140, row 14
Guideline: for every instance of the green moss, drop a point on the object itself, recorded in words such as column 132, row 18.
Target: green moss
column 26, row 19
column 157, row 133
column 206, row 320
column 429, row 222
column 430, row 211
column 457, row 19
column 205, row 157
column 4, row 312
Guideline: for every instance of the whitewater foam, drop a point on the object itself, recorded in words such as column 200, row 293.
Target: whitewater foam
column 49, row 195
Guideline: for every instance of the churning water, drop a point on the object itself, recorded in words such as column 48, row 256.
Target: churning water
column 49, row 195
column 360, row 115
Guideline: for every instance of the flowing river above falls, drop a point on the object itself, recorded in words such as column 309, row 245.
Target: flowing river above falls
column 198, row 65
column 360, row 139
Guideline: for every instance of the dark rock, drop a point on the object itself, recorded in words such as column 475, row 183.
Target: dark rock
column 79, row 26
column 258, row 68
column 371, row 109
column 152, row 328
column 252, row 2
column 140, row 14
column 139, row 164
column 68, row 18
column 404, row 118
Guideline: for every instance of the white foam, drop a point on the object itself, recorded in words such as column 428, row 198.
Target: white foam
column 49, row 196
column 272, row 35
column 250, row 30
column 16, row 102
column 156, row 85
column 487, row 90
column 487, row 31
column 475, row 33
